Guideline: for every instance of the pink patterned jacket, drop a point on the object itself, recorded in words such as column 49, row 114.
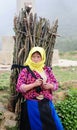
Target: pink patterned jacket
column 26, row 77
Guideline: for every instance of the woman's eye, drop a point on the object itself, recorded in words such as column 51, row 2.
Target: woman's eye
column 38, row 56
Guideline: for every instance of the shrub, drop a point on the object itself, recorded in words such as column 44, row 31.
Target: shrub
column 67, row 110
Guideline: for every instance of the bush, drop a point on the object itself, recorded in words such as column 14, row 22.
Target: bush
column 67, row 110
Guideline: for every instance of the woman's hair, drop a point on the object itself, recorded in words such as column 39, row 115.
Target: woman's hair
column 37, row 52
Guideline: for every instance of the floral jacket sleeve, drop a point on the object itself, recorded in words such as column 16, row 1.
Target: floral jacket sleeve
column 26, row 77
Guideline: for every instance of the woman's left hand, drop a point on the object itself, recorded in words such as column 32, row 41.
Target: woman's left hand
column 48, row 86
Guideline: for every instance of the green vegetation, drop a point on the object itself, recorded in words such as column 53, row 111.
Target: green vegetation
column 4, row 80
column 67, row 111
column 65, row 44
column 4, row 86
column 64, row 74
column 72, row 55
column 12, row 128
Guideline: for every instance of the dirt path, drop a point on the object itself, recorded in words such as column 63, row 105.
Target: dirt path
column 61, row 63
column 65, row 63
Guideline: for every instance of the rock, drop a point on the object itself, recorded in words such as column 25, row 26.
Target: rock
column 59, row 96
column 10, row 124
column 2, row 108
column 9, row 115
column 7, row 119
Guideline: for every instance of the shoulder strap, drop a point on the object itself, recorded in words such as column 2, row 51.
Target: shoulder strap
column 38, row 89
column 22, row 67
column 29, row 70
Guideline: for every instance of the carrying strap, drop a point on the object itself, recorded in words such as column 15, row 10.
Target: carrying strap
column 38, row 89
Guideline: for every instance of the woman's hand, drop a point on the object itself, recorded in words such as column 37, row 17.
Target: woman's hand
column 28, row 87
column 48, row 86
column 38, row 82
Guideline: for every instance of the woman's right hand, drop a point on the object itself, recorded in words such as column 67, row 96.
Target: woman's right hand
column 38, row 82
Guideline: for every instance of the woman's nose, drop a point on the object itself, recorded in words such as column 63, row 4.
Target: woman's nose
column 36, row 58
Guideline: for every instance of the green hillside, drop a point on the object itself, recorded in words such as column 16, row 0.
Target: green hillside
column 71, row 55
column 66, row 44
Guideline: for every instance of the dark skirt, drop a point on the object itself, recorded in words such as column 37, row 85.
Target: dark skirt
column 39, row 115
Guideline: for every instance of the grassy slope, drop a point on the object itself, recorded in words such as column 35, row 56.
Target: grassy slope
column 65, row 74
column 4, row 80
column 69, row 55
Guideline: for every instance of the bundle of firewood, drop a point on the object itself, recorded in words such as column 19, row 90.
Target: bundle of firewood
column 30, row 31
column 33, row 31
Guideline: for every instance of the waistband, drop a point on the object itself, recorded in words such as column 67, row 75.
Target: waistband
column 40, row 97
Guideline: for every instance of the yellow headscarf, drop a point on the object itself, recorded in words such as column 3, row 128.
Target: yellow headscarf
column 36, row 66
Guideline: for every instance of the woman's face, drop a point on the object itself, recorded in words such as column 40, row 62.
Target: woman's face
column 36, row 57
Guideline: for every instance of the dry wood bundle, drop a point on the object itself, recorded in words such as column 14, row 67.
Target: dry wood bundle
column 30, row 31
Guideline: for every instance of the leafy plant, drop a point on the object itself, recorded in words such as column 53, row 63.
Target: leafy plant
column 67, row 111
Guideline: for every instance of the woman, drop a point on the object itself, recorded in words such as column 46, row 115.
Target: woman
column 38, row 112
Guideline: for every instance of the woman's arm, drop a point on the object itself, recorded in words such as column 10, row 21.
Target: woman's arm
column 52, row 82
column 27, row 87
column 22, row 86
